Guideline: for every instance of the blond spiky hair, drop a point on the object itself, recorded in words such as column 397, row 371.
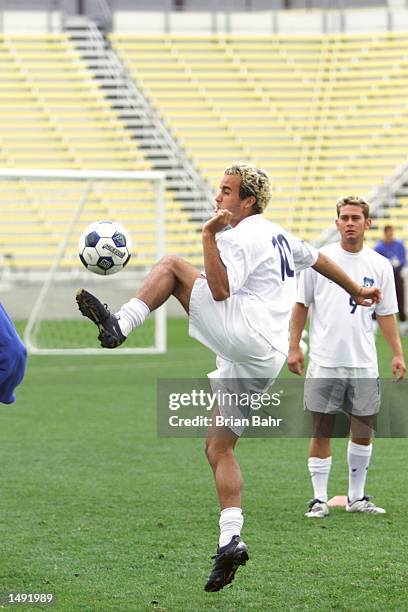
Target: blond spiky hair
column 254, row 182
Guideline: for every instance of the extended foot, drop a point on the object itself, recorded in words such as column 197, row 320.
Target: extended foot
column 110, row 335
column 317, row 509
column 227, row 561
column 364, row 505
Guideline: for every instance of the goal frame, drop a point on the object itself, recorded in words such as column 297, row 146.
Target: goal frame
column 88, row 177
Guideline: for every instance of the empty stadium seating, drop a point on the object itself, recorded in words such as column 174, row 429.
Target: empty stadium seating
column 53, row 115
column 325, row 115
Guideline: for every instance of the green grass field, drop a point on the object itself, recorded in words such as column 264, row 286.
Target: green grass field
column 99, row 511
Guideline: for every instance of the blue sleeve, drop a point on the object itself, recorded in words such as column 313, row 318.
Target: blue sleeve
column 13, row 358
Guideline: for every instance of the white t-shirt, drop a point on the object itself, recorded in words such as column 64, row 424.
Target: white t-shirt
column 342, row 333
column 262, row 260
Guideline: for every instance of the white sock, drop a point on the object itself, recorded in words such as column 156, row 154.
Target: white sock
column 358, row 459
column 319, row 470
column 231, row 521
column 131, row 315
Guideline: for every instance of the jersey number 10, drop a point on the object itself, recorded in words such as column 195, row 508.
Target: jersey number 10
column 283, row 247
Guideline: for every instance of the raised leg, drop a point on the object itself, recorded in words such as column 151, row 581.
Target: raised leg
column 170, row 276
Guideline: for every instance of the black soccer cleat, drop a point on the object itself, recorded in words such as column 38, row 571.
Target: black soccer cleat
column 227, row 561
column 110, row 335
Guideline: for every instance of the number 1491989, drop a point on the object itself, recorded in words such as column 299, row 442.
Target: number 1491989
column 29, row 598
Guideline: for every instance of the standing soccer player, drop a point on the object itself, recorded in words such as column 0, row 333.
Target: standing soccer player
column 13, row 358
column 240, row 309
column 343, row 370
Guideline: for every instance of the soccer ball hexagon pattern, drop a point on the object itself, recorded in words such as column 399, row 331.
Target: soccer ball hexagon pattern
column 104, row 247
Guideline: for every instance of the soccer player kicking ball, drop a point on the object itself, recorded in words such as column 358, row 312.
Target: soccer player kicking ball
column 240, row 309
column 343, row 370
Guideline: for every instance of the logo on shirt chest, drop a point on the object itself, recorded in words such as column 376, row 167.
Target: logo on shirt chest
column 368, row 282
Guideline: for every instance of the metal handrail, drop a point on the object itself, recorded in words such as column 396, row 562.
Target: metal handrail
column 106, row 11
column 117, row 71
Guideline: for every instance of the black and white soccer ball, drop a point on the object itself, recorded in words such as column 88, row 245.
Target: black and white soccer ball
column 104, row 247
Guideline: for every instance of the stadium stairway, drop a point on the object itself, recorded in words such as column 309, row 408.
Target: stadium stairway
column 54, row 115
column 140, row 118
column 392, row 207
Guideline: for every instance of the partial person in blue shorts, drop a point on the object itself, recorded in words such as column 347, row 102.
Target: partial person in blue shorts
column 13, row 358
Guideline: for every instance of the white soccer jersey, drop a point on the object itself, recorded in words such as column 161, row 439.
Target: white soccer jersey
column 342, row 333
column 261, row 260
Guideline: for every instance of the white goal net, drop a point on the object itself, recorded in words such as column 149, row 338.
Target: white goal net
column 44, row 213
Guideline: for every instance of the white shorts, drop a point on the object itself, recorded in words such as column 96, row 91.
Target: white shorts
column 342, row 389
column 246, row 362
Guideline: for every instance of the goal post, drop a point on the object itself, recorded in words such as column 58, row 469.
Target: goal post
column 44, row 214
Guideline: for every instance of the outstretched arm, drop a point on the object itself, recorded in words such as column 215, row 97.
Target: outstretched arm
column 364, row 296
column 389, row 329
column 296, row 360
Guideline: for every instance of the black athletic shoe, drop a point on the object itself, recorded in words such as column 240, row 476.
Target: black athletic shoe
column 227, row 561
column 110, row 335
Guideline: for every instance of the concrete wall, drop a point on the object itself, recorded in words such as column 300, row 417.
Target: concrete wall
column 71, row 6
column 68, row 6
column 283, row 22
column 213, row 17
column 33, row 22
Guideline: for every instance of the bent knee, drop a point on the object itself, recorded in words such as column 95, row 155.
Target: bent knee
column 170, row 261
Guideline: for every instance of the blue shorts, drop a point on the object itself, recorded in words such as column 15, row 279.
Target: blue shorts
column 13, row 358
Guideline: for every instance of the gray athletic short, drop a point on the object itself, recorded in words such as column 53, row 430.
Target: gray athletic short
column 332, row 390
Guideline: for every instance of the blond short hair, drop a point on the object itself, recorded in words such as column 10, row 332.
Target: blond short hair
column 354, row 201
column 254, row 182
